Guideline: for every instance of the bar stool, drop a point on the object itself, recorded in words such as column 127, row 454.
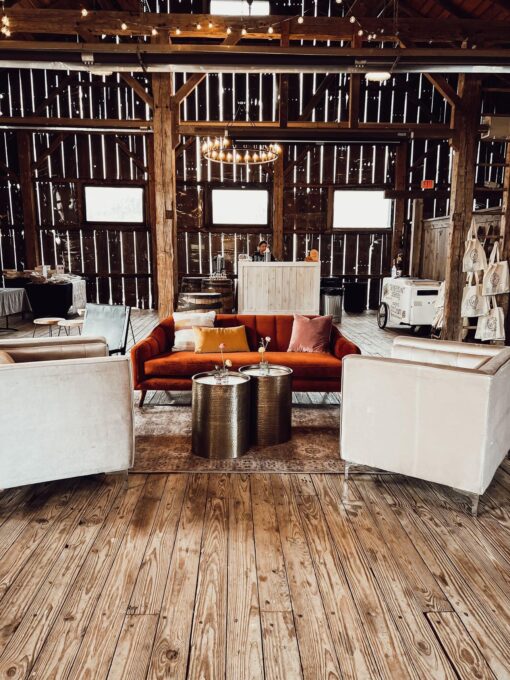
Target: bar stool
column 49, row 321
column 69, row 324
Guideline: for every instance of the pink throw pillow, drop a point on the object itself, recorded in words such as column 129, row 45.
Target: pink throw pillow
column 310, row 335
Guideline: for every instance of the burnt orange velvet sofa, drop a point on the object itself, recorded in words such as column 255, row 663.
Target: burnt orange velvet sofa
column 156, row 367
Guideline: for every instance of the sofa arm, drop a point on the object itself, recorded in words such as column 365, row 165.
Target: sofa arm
column 87, row 425
column 25, row 350
column 341, row 346
column 160, row 341
column 416, row 419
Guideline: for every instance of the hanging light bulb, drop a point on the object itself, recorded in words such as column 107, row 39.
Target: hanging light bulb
column 123, row 26
column 300, row 20
column 5, row 20
column 352, row 19
column 360, row 32
column 177, row 31
column 199, row 27
column 244, row 31
column 210, row 24
column 270, row 30
column 84, row 12
column 154, row 31
column 229, row 30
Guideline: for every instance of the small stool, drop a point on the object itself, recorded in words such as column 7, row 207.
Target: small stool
column 48, row 321
column 69, row 324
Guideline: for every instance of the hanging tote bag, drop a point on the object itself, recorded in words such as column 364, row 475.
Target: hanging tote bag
column 492, row 325
column 473, row 301
column 496, row 279
column 474, row 259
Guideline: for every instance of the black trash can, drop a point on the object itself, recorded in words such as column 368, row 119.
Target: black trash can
column 355, row 296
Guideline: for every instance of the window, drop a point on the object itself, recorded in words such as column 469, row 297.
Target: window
column 361, row 210
column 240, row 207
column 239, row 7
column 114, row 204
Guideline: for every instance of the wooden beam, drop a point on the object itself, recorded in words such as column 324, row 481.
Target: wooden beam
column 505, row 236
column 278, row 189
column 300, row 157
column 444, row 88
column 36, row 165
column 397, row 247
column 466, row 121
column 139, row 89
column 66, row 22
column 283, row 84
column 326, row 82
column 111, row 125
column 194, row 81
column 165, row 193
column 127, row 151
column 31, row 242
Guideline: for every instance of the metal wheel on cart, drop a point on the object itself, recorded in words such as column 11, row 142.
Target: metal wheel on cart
column 382, row 315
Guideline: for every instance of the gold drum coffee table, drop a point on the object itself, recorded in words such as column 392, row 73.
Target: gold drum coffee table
column 271, row 403
column 220, row 425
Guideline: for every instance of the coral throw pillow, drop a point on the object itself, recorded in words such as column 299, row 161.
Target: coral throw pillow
column 184, row 338
column 310, row 335
column 208, row 340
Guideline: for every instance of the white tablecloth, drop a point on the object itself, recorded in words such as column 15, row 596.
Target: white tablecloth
column 13, row 301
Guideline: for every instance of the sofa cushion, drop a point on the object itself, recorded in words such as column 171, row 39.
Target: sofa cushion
column 179, row 364
column 184, row 337
column 310, row 335
column 208, row 340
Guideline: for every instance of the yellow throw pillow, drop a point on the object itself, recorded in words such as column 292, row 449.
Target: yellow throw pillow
column 5, row 358
column 208, row 340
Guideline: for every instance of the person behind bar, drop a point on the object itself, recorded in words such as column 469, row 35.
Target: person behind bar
column 260, row 254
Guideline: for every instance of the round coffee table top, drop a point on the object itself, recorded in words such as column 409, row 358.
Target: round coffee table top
column 71, row 323
column 210, row 379
column 48, row 320
column 273, row 371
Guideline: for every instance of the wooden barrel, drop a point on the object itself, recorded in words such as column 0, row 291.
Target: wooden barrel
column 191, row 284
column 225, row 288
column 199, row 302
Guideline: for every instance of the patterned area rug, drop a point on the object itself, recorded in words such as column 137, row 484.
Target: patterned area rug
column 163, row 444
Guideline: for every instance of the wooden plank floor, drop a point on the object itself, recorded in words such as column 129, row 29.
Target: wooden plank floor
column 234, row 577
column 253, row 577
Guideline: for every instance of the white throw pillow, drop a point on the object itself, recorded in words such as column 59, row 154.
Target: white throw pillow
column 184, row 339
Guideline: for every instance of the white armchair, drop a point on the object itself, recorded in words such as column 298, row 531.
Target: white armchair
column 66, row 411
column 438, row 411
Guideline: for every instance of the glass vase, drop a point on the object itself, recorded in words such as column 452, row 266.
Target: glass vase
column 264, row 367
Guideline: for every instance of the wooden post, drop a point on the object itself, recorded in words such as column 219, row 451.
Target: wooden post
column 31, row 241
column 278, row 186
column 165, row 124
column 283, row 104
column 505, row 236
column 465, row 143
column 400, row 203
column 417, row 237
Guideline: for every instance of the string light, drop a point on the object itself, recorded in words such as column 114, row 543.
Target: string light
column 244, row 31
column 123, row 26
column 210, row 24
column 5, row 21
column 270, row 30
column 300, row 20
column 352, row 19
column 199, row 27
column 177, row 31
column 360, row 32
column 84, row 12
column 154, row 31
column 229, row 30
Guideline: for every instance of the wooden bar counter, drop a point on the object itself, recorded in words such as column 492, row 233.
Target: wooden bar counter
column 278, row 287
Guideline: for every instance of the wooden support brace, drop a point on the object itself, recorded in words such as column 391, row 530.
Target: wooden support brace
column 127, row 151
column 138, row 88
column 278, row 189
column 465, row 123
column 36, row 165
column 318, row 94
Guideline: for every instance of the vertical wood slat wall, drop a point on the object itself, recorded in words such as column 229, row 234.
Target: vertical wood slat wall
column 118, row 261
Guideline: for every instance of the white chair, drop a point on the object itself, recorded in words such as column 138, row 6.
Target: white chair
column 438, row 411
column 67, row 410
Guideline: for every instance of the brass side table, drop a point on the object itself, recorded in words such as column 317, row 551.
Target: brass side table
column 220, row 426
column 271, row 401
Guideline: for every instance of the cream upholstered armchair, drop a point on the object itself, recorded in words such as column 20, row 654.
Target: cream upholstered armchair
column 66, row 410
column 435, row 410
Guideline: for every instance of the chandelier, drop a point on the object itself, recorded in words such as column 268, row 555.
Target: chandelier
column 222, row 150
